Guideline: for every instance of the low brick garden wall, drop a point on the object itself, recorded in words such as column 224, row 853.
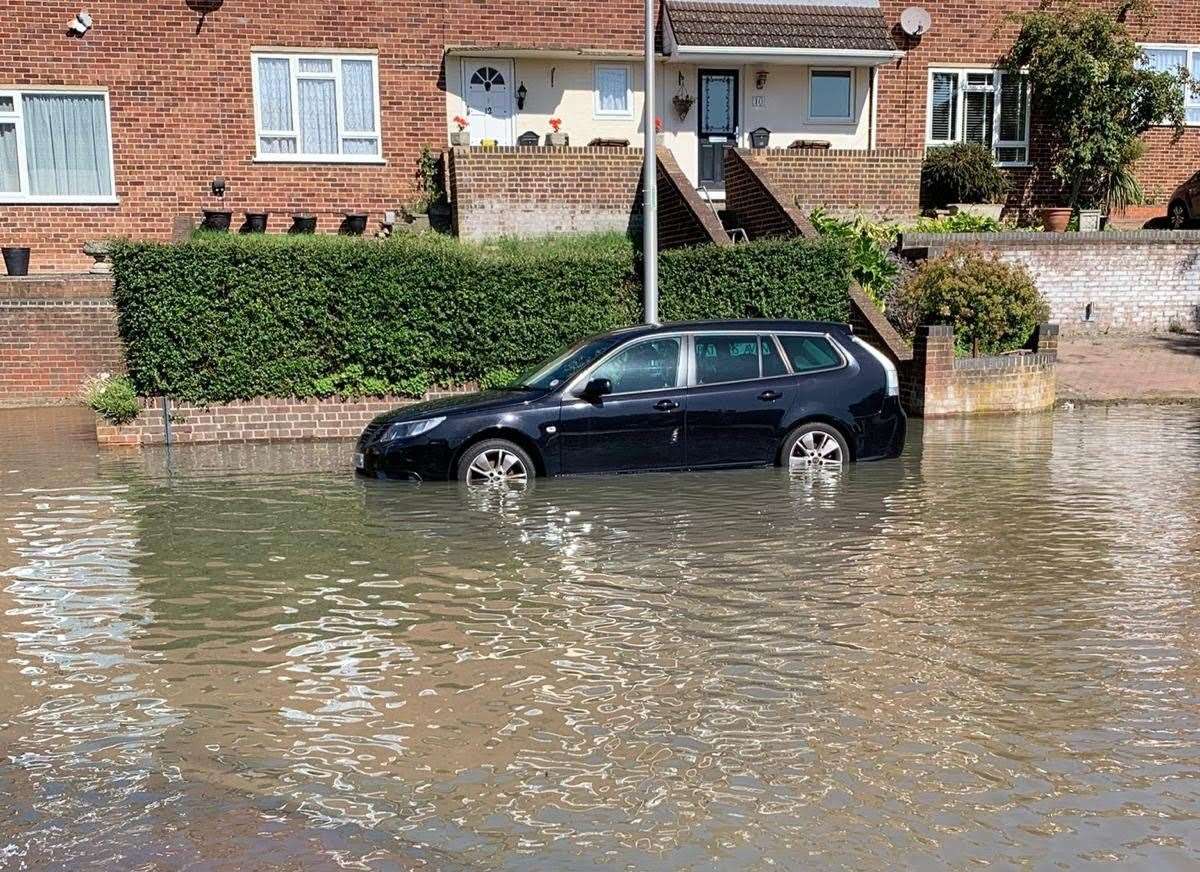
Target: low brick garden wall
column 267, row 419
column 1143, row 281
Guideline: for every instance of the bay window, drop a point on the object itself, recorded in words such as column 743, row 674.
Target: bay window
column 1169, row 58
column 316, row 107
column 987, row 107
column 55, row 146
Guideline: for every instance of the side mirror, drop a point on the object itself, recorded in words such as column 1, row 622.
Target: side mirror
column 597, row 388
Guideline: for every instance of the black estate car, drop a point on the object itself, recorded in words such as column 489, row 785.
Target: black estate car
column 672, row 396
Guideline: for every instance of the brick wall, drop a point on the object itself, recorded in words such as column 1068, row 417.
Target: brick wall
column 54, row 334
column 1136, row 281
column 683, row 218
column 183, row 114
column 944, row 385
column 978, row 32
column 265, row 419
column 884, row 183
column 759, row 206
column 531, row 191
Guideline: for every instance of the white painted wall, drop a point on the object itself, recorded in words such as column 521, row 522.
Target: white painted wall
column 564, row 88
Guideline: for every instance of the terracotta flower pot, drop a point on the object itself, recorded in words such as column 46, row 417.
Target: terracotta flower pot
column 1055, row 220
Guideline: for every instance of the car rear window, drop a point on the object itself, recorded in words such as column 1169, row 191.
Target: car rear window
column 808, row 353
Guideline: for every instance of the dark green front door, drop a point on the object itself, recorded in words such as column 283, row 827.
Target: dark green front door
column 718, row 123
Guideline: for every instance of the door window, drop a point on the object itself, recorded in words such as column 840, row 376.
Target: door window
column 809, row 353
column 647, row 366
column 772, row 363
column 726, row 358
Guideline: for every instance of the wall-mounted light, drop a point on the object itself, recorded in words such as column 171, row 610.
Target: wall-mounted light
column 760, row 79
column 80, row 24
column 218, row 187
column 522, row 93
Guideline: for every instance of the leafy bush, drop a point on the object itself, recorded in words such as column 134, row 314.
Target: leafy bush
column 868, row 245
column 959, row 222
column 993, row 306
column 224, row 317
column 961, row 173
column 112, row 397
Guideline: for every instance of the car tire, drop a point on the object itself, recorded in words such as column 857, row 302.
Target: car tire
column 814, row 446
column 495, row 461
column 1177, row 215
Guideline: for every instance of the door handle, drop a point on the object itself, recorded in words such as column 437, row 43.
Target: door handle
column 666, row 405
column 769, row 396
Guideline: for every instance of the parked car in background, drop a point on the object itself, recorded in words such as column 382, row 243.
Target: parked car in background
column 702, row 395
column 1184, row 205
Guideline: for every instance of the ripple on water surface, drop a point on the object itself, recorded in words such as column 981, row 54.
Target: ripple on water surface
column 242, row 657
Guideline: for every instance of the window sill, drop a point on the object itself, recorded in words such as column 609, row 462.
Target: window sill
column 10, row 200
column 318, row 159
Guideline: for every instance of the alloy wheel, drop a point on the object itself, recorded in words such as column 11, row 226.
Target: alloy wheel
column 495, row 466
column 816, row 450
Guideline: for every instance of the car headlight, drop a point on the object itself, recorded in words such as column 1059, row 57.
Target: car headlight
column 408, row 429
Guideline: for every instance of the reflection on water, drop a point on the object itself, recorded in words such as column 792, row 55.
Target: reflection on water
column 242, row 657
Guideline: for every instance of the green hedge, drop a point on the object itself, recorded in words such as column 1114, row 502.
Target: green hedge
column 225, row 317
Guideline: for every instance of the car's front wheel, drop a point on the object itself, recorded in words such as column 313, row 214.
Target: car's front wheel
column 495, row 461
column 815, row 446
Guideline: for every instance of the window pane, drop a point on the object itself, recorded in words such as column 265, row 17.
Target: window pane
column 10, row 182
column 716, row 102
column 830, row 94
column 1166, row 60
column 944, row 127
column 1013, row 95
column 612, row 83
column 277, row 145
column 66, row 145
column 360, row 146
column 316, row 65
column 647, row 366
column 275, row 93
column 7, row 105
column 726, row 359
column 358, row 93
column 1193, row 115
column 318, row 116
column 977, row 117
column 772, row 363
column 1012, row 154
column 809, row 352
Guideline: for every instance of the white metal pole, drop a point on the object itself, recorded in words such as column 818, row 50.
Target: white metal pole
column 649, row 179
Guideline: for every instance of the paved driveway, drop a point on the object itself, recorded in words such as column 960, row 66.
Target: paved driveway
column 1160, row 367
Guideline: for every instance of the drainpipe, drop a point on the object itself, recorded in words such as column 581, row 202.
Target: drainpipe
column 649, row 180
column 872, row 84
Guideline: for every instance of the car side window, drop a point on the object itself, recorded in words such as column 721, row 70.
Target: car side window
column 645, row 366
column 808, row 353
column 772, row 363
column 725, row 358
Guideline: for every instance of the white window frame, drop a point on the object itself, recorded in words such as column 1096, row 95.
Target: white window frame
column 1190, row 101
column 960, row 107
column 597, row 112
column 17, row 117
column 852, row 117
column 293, row 57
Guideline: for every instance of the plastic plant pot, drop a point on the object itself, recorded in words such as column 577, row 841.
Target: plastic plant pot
column 16, row 260
column 355, row 224
column 256, row 222
column 303, row 224
column 216, row 219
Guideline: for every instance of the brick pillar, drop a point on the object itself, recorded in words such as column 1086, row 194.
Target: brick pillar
column 1045, row 340
column 932, row 368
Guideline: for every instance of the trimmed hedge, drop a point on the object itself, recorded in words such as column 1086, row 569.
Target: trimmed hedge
column 225, row 317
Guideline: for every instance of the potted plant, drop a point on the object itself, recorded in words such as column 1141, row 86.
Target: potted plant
column 256, row 222
column 683, row 104
column 303, row 223
column 460, row 136
column 355, row 224
column 963, row 177
column 16, row 259
column 660, row 138
column 554, row 137
column 1056, row 219
column 216, row 220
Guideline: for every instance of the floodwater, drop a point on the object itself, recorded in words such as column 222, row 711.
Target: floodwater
column 986, row 653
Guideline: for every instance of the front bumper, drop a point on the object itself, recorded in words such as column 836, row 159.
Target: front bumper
column 405, row 459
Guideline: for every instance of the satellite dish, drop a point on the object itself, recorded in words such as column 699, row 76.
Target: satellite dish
column 915, row 21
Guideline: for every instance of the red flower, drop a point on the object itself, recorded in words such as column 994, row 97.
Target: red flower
column 461, row 122
column 555, row 123
column 658, row 125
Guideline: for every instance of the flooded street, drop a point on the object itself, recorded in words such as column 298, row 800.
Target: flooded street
column 241, row 657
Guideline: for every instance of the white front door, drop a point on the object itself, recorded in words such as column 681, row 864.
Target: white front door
column 489, row 99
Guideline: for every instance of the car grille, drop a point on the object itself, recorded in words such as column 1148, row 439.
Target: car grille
column 368, row 435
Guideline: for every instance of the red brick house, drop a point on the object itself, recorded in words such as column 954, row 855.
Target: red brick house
column 307, row 106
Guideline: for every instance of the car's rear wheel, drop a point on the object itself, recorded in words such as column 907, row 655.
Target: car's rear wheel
column 495, row 461
column 1177, row 214
column 815, row 446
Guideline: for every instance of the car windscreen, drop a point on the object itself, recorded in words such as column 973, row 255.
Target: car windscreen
column 554, row 372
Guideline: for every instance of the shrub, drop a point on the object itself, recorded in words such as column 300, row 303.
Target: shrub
column 112, row 397
column 993, row 306
column 961, row 173
column 959, row 222
column 225, row 317
column 868, row 246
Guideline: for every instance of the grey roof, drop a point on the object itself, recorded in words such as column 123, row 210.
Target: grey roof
column 856, row 25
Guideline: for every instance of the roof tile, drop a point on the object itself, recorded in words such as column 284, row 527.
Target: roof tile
column 776, row 25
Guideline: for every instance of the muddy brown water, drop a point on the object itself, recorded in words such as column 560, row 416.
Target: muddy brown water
column 228, row 658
